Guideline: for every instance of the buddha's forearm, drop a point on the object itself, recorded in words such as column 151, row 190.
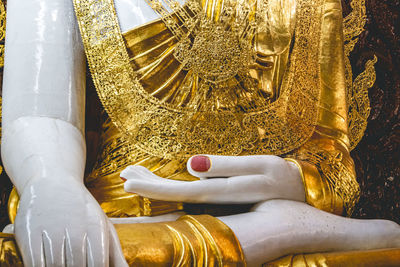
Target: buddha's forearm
column 42, row 148
column 44, row 73
column 43, row 92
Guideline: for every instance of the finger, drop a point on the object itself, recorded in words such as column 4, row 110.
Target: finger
column 29, row 243
column 117, row 258
column 54, row 249
column 133, row 172
column 75, row 252
column 226, row 166
column 32, row 255
column 89, row 253
column 238, row 189
column 172, row 190
column 97, row 244
column 234, row 190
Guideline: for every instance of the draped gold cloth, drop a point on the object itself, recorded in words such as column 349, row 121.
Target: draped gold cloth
column 328, row 170
column 171, row 113
column 190, row 241
column 178, row 243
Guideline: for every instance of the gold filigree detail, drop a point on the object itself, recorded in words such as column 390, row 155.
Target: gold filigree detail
column 2, row 31
column 216, row 47
column 168, row 131
column 353, row 24
column 2, row 37
column 336, row 169
column 359, row 106
column 216, row 55
column 357, row 91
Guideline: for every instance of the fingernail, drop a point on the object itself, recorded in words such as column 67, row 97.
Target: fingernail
column 123, row 179
column 200, row 163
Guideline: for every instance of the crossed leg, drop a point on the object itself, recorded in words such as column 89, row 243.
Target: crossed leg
column 275, row 228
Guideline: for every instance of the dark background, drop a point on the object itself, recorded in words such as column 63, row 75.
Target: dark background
column 377, row 156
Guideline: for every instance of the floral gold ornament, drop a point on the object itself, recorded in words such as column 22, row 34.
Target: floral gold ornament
column 189, row 123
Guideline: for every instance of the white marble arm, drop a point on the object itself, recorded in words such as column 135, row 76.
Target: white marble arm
column 44, row 72
column 43, row 146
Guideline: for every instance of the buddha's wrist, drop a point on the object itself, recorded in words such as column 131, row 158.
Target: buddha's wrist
column 41, row 147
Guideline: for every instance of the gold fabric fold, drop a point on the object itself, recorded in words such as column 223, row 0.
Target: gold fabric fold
column 324, row 160
column 172, row 110
column 328, row 174
column 150, row 50
column 318, row 191
column 168, row 244
column 191, row 241
column 333, row 107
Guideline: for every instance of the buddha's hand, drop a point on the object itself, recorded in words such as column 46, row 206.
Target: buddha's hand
column 235, row 179
column 59, row 223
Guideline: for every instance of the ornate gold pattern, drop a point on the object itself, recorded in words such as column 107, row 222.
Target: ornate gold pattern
column 336, row 167
column 106, row 186
column 119, row 151
column 169, row 131
column 353, row 25
column 216, row 46
column 2, row 37
column 359, row 106
column 357, row 92
column 2, row 31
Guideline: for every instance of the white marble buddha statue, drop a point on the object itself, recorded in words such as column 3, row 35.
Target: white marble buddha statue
column 256, row 110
